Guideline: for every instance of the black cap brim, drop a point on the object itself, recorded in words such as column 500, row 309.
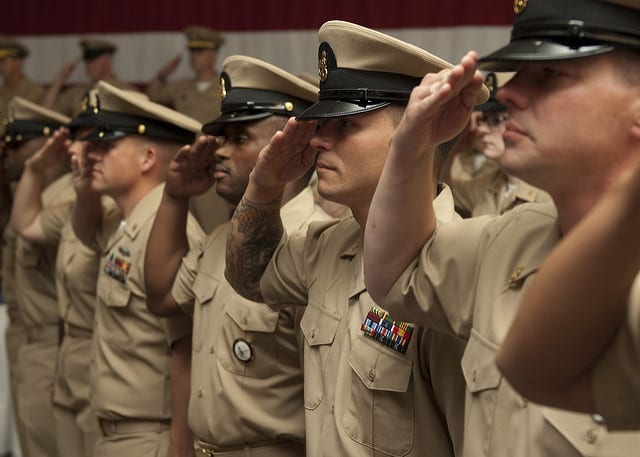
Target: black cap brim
column 216, row 127
column 325, row 109
column 509, row 57
column 104, row 135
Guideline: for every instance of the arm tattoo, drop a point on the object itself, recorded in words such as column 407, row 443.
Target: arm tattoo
column 256, row 230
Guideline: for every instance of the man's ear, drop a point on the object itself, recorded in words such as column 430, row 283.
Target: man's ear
column 149, row 158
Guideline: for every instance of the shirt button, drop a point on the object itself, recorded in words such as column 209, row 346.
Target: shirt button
column 313, row 333
column 245, row 320
column 591, row 437
column 199, row 393
column 211, row 349
column 474, row 376
column 372, row 375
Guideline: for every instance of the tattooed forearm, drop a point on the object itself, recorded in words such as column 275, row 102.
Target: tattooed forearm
column 256, row 230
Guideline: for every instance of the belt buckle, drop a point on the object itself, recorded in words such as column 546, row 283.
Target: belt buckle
column 203, row 451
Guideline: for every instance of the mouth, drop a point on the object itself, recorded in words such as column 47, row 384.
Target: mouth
column 220, row 172
column 511, row 128
column 323, row 165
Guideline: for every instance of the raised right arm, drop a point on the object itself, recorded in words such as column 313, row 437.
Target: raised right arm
column 87, row 211
column 577, row 303
column 256, row 227
column 189, row 175
column 401, row 218
column 27, row 205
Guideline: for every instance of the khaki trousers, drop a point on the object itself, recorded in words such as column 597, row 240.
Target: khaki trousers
column 15, row 338
column 134, row 444
column 36, row 370
column 77, row 426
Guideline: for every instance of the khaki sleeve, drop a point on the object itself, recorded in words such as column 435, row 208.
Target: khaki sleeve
column 53, row 218
column 284, row 281
column 182, row 290
column 616, row 375
column 438, row 287
column 177, row 327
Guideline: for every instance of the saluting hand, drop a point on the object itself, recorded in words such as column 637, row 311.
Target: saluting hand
column 439, row 108
column 191, row 170
column 287, row 157
column 52, row 157
column 170, row 67
column 82, row 172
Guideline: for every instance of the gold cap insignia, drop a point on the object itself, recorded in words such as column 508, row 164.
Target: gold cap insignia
column 519, row 5
column 46, row 131
column 288, row 106
column 223, row 89
column 323, row 71
column 141, row 129
column 100, row 134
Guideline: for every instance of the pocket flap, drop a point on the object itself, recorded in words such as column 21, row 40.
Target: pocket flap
column 251, row 316
column 479, row 364
column 318, row 326
column 116, row 295
column 204, row 287
column 378, row 368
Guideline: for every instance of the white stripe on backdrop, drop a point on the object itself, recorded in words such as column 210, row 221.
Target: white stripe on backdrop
column 140, row 55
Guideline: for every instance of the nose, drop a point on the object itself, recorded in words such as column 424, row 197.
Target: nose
column 512, row 94
column 77, row 147
column 223, row 151
column 91, row 153
column 321, row 139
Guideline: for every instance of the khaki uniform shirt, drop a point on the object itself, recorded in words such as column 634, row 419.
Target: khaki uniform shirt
column 210, row 209
column 35, row 267
column 69, row 102
column 26, row 88
column 616, row 376
column 469, row 279
column 9, row 274
column 130, row 365
column 366, row 392
column 495, row 194
column 242, row 349
column 76, row 266
column 184, row 97
column 471, row 164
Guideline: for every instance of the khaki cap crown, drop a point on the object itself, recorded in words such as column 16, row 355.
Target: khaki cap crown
column 122, row 112
column 93, row 48
column 361, row 70
column 545, row 30
column 12, row 48
column 199, row 37
column 253, row 89
column 26, row 120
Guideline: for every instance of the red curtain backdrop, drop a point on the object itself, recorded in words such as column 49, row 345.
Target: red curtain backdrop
column 42, row 17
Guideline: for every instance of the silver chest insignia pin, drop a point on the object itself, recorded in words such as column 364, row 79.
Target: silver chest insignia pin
column 243, row 350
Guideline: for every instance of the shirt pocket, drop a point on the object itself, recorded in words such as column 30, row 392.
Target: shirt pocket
column 248, row 341
column 115, row 326
column 319, row 328
column 483, row 379
column 380, row 411
column 204, row 289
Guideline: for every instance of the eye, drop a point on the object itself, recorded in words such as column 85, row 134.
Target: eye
column 238, row 138
column 346, row 122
